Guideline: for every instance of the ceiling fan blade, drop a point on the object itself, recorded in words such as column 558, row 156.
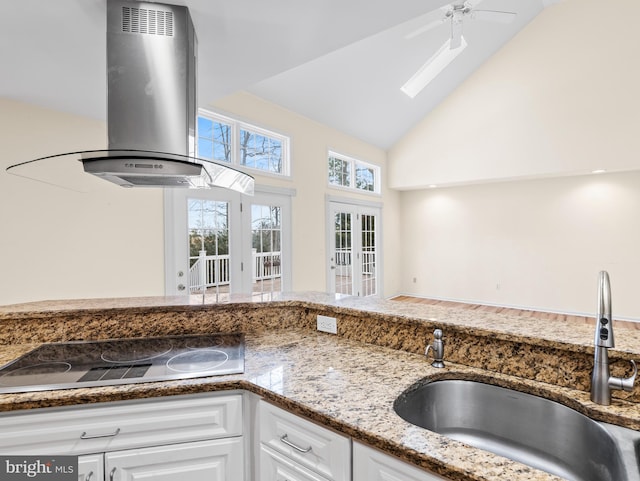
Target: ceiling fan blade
column 493, row 16
column 456, row 33
column 425, row 28
column 432, row 68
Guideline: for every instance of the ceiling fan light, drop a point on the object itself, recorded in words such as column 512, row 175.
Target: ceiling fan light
column 432, row 68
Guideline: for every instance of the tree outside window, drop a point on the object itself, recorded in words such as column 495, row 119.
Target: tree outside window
column 260, row 151
column 353, row 174
column 214, row 140
column 223, row 139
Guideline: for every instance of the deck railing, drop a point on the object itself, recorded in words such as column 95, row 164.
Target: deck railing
column 266, row 265
column 208, row 270
column 343, row 261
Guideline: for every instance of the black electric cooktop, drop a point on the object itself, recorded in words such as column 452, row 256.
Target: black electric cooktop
column 123, row 361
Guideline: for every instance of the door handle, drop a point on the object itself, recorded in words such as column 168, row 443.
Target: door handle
column 112, row 474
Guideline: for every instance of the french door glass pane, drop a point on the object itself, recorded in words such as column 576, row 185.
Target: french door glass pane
column 266, row 239
column 368, row 255
column 344, row 254
column 208, row 223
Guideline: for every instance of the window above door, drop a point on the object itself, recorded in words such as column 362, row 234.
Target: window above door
column 224, row 139
column 353, row 174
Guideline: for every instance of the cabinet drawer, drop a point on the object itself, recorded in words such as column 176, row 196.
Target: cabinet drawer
column 372, row 465
column 121, row 425
column 319, row 449
column 277, row 467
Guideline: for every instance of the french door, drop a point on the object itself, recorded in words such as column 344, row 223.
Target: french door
column 354, row 257
column 220, row 242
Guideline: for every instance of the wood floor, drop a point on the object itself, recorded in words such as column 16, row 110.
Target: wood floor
column 554, row 316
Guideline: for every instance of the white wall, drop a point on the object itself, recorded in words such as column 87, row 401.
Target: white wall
column 534, row 244
column 310, row 142
column 558, row 99
column 108, row 242
column 553, row 104
column 57, row 243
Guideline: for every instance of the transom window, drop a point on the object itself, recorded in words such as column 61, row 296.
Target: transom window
column 214, row 140
column 260, row 151
column 224, row 139
column 354, row 174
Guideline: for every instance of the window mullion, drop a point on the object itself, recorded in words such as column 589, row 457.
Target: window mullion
column 352, row 177
column 235, row 152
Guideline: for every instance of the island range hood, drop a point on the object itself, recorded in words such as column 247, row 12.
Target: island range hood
column 151, row 104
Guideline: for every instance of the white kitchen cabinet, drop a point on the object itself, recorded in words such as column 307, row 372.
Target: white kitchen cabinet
column 306, row 447
column 91, row 467
column 194, row 438
column 216, row 460
column 372, row 465
column 166, row 439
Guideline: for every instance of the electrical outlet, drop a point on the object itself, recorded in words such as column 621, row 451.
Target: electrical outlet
column 327, row 324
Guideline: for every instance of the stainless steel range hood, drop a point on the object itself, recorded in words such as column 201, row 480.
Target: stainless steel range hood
column 151, row 104
column 151, row 97
column 151, row 77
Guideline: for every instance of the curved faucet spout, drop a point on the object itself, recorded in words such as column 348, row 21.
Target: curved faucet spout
column 602, row 382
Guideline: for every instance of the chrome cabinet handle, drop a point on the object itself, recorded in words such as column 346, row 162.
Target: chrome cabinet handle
column 285, row 440
column 112, row 474
column 89, row 476
column 84, row 435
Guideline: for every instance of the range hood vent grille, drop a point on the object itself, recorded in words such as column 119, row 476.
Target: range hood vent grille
column 147, row 21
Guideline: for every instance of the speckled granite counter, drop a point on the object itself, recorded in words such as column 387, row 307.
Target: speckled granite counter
column 559, row 353
column 345, row 382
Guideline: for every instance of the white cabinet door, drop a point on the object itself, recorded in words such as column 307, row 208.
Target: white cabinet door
column 372, row 465
column 218, row 460
column 91, row 467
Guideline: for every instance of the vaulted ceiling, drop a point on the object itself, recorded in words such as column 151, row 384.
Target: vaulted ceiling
column 338, row 62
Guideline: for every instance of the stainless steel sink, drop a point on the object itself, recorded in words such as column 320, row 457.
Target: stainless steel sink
column 526, row 428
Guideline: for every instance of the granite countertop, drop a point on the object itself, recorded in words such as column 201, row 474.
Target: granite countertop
column 346, row 385
column 347, row 382
column 544, row 332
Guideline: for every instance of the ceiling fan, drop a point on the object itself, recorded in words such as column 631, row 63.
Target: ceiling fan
column 455, row 13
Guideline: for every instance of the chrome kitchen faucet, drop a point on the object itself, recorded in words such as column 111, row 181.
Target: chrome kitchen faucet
column 602, row 382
